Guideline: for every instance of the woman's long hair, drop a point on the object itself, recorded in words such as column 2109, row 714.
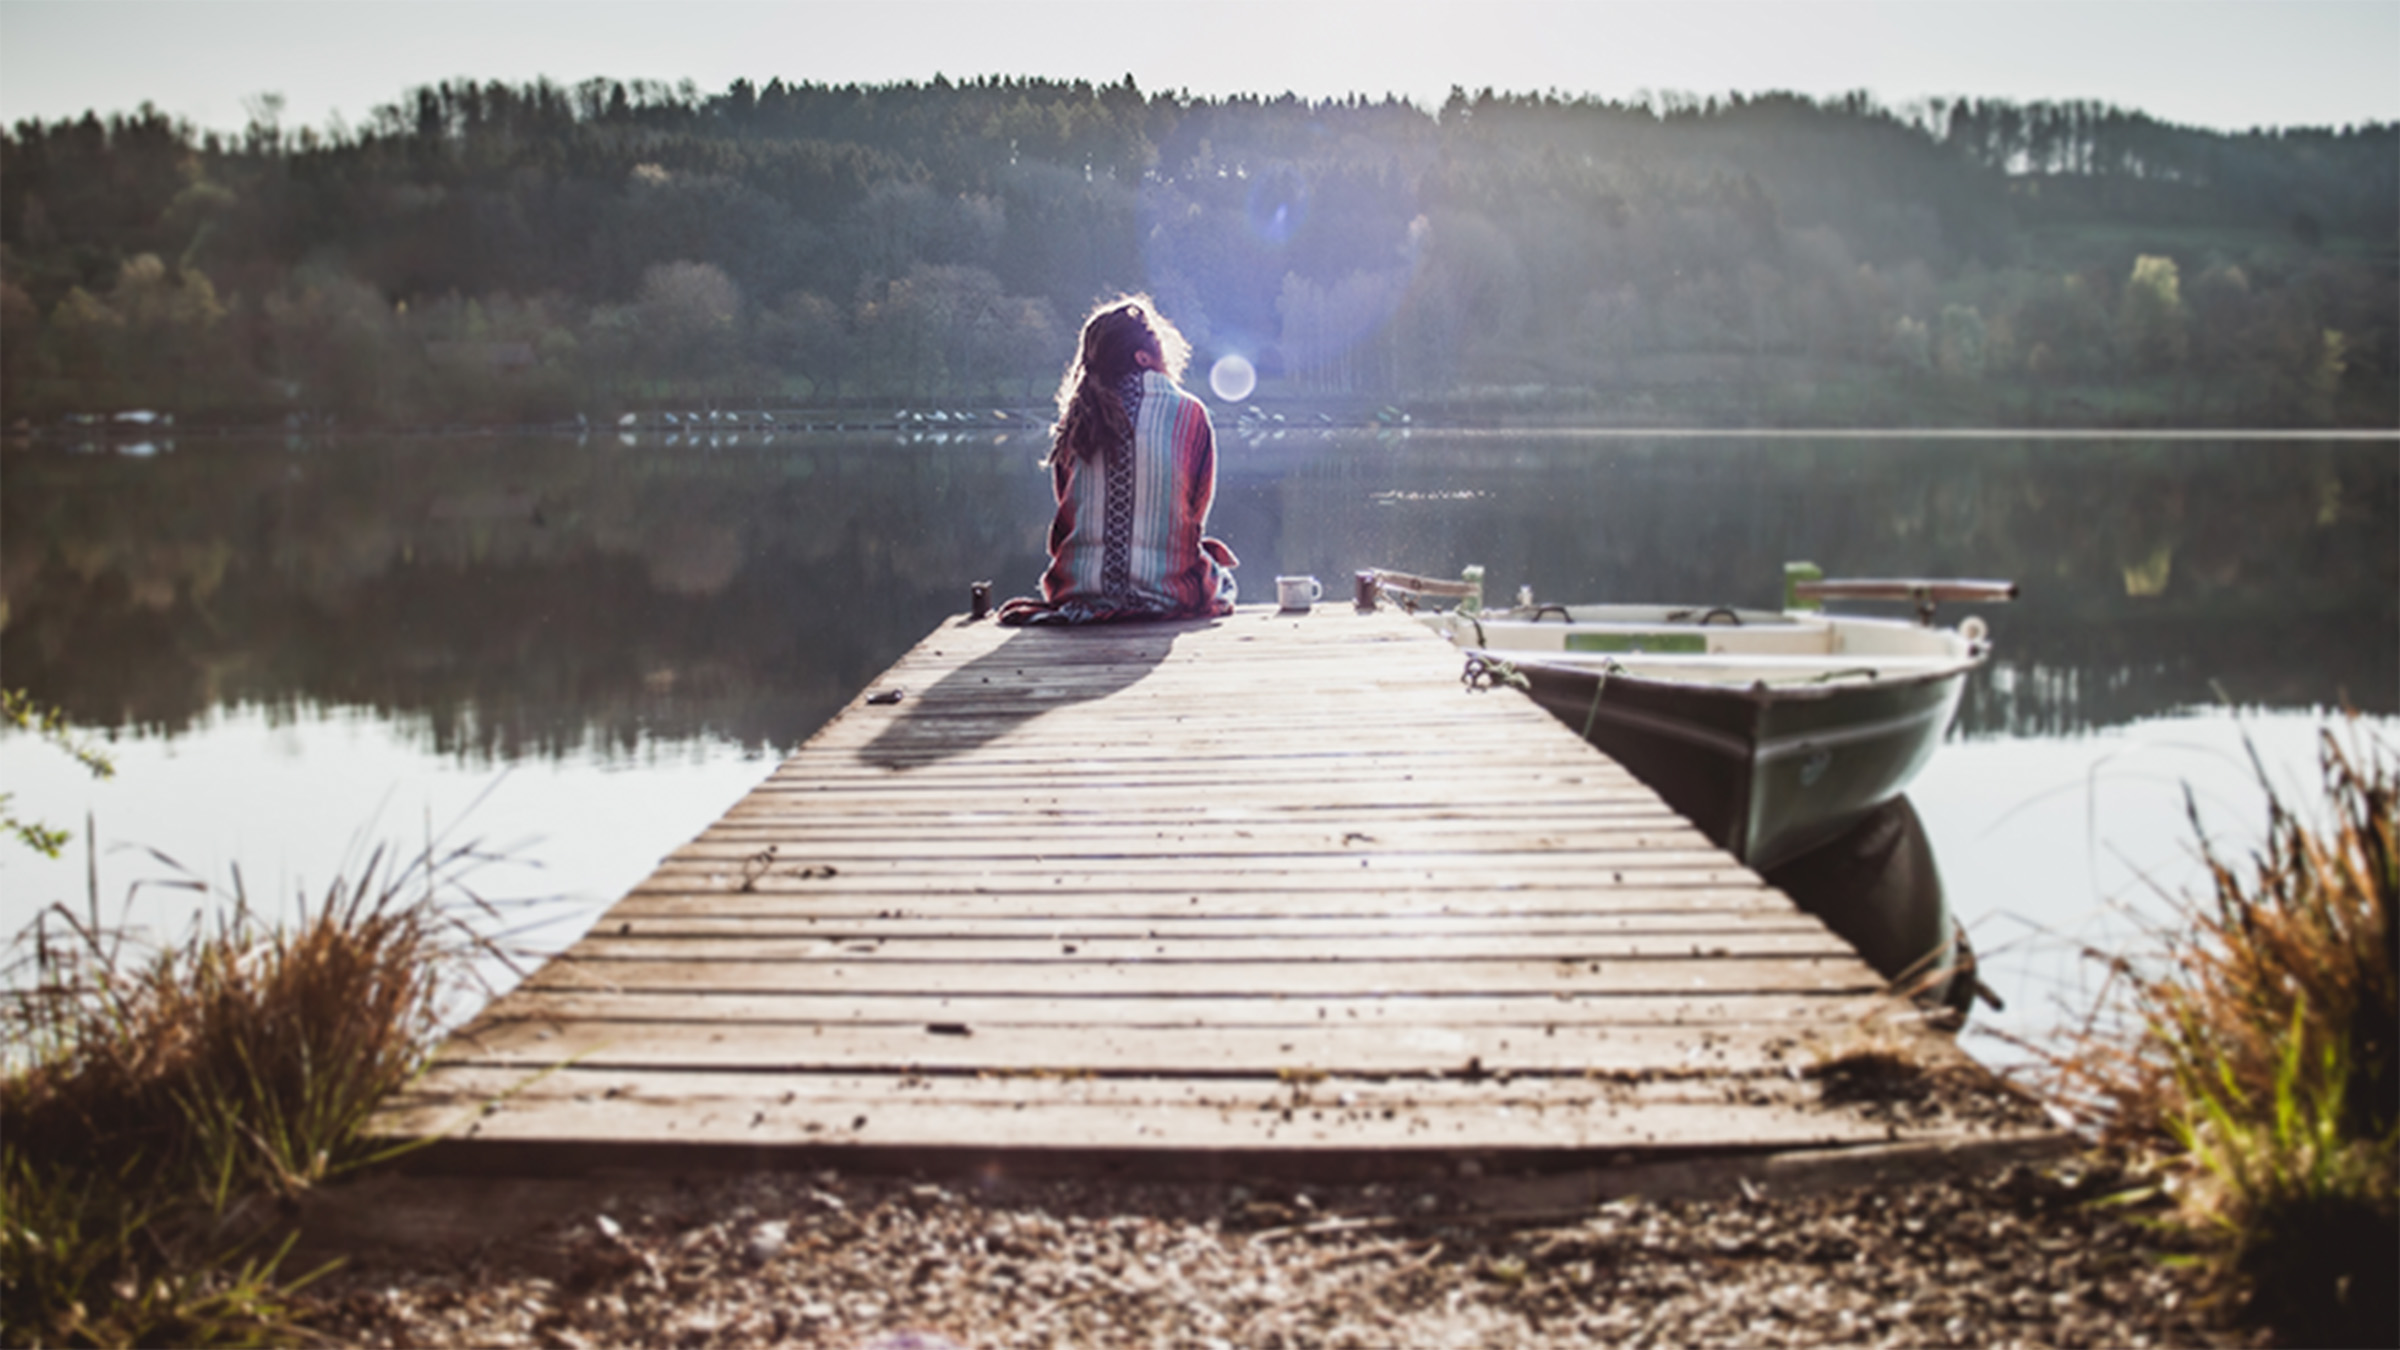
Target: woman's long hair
column 1090, row 415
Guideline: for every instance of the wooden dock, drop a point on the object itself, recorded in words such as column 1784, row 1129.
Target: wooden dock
column 1270, row 893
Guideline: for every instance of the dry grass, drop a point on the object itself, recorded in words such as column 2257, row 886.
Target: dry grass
column 150, row 1093
column 2261, row 1050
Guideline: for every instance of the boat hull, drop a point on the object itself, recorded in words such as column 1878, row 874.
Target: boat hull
column 1767, row 773
column 1877, row 887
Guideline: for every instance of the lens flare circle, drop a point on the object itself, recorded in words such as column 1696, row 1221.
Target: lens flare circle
column 1232, row 377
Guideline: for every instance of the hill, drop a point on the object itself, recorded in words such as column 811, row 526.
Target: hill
column 493, row 253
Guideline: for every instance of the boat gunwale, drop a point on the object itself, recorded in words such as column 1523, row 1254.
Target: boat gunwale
column 1610, row 666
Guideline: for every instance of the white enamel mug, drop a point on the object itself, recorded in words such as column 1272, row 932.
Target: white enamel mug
column 1297, row 592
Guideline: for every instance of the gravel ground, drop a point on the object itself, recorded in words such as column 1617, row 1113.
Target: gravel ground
column 2013, row 1255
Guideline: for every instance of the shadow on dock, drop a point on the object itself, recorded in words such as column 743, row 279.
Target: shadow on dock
column 1033, row 671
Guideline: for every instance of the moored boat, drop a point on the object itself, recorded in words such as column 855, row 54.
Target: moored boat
column 1776, row 733
column 1773, row 731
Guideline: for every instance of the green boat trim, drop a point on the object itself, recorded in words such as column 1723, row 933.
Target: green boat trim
column 1670, row 643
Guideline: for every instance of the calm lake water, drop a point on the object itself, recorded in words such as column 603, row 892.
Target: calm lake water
column 581, row 651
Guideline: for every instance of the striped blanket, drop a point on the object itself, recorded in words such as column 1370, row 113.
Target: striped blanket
column 1127, row 541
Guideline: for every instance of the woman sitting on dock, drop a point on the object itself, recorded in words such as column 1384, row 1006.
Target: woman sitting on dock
column 1133, row 461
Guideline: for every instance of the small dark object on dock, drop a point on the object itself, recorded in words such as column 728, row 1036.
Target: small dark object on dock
column 886, row 696
column 979, row 596
column 755, row 866
column 948, row 1029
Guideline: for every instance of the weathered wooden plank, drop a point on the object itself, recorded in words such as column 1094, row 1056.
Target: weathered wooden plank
column 659, row 942
column 1063, row 852
column 1005, row 760
column 1826, row 974
column 900, row 819
column 1163, row 877
column 1462, row 1088
column 1062, row 905
column 1458, row 739
column 1291, row 787
column 1449, row 733
column 1796, row 1013
column 1268, row 837
column 1035, row 1112
column 955, row 1046
column 1063, row 846
column 1246, row 837
column 1569, row 808
column 1567, row 925
column 1005, row 732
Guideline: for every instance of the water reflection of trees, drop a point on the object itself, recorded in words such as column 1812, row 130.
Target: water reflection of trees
column 528, row 596
column 522, row 596
column 2155, row 574
column 2059, row 680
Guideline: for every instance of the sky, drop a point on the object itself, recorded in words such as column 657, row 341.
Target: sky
column 2229, row 64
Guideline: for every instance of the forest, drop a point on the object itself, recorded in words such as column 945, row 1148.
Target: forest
column 489, row 255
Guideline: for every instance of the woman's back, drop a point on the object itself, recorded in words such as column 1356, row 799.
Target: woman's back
column 1134, row 468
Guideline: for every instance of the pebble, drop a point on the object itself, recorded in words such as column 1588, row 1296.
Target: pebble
column 767, row 1241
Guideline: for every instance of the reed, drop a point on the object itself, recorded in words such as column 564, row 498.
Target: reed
column 2262, row 1056
column 153, row 1095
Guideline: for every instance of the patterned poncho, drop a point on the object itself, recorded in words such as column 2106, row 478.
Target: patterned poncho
column 1127, row 540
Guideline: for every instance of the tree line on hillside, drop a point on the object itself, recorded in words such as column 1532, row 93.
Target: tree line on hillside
column 497, row 253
